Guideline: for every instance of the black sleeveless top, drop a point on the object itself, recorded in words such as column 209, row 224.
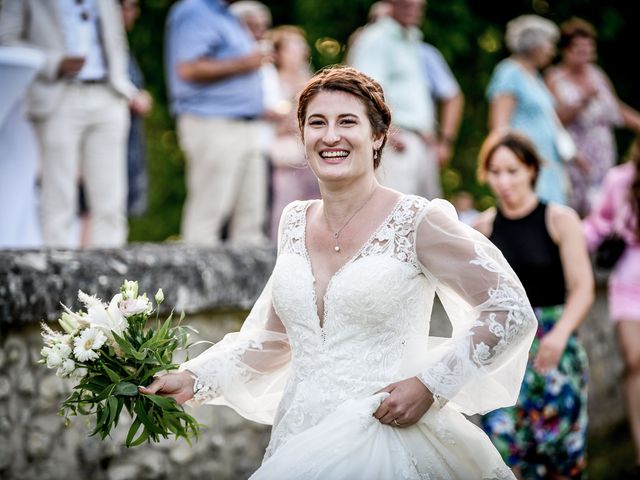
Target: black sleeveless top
column 529, row 249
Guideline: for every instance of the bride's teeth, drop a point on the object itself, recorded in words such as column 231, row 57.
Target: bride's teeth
column 334, row 154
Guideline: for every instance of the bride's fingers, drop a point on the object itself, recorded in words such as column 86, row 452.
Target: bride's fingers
column 388, row 418
column 388, row 389
column 155, row 386
column 381, row 411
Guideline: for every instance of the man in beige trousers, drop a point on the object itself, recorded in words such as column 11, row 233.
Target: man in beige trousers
column 79, row 107
column 216, row 94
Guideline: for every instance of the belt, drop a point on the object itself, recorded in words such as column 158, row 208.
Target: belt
column 89, row 81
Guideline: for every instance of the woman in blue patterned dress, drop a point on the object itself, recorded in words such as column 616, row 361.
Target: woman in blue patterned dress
column 519, row 99
column 544, row 434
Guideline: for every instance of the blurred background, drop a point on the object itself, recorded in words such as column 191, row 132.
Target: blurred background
column 468, row 33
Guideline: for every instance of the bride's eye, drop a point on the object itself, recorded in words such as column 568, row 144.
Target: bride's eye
column 348, row 121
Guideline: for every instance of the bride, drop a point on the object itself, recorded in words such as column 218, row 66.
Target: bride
column 336, row 354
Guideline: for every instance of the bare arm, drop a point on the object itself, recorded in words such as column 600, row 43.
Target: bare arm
column 631, row 116
column 484, row 222
column 210, row 70
column 450, row 116
column 567, row 113
column 566, row 231
column 500, row 111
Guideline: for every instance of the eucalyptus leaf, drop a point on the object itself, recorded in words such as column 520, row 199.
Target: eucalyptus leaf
column 127, row 389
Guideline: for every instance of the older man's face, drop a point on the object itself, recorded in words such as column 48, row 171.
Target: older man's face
column 408, row 13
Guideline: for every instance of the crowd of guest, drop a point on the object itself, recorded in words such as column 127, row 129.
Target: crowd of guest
column 230, row 72
column 232, row 85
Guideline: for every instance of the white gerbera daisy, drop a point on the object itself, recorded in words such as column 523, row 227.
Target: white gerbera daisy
column 87, row 343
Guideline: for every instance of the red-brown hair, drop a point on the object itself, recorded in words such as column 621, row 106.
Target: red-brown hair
column 575, row 28
column 349, row 80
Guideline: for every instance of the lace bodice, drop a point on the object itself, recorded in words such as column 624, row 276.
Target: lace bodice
column 288, row 367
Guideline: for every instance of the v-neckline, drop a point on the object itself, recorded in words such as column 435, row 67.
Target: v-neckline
column 321, row 320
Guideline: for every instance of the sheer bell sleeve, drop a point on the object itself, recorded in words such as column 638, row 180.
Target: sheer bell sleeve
column 246, row 370
column 480, row 368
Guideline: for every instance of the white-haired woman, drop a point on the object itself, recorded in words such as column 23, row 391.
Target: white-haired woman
column 519, row 98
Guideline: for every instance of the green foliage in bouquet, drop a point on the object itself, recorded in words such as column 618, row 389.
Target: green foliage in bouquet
column 110, row 351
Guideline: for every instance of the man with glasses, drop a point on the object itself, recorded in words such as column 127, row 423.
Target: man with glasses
column 79, row 108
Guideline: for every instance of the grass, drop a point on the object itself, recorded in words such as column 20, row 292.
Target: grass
column 611, row 454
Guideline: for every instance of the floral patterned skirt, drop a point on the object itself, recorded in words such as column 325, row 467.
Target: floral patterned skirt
column 547, row 428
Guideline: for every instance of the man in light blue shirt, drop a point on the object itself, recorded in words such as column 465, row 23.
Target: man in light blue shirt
column 215, row 92
column 391, row 51
column 446, row 93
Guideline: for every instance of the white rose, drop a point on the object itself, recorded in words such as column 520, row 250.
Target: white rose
column 54, row 360
column 67, row 368
column 135, row 306
column 62, row 349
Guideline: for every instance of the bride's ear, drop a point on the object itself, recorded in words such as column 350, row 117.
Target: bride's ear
column 377, row 142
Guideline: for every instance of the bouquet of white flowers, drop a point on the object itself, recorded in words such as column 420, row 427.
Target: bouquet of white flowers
column 110, row 351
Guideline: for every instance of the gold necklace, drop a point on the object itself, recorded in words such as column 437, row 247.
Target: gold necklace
column 336, row 234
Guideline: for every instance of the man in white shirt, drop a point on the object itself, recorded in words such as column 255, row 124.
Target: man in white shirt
column 79, row 107
column 391, row 51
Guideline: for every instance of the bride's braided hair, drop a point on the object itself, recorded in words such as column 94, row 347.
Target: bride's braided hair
column 349, row 80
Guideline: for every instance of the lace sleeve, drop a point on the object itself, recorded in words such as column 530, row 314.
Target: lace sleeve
column 481, row 366
column 246, row 370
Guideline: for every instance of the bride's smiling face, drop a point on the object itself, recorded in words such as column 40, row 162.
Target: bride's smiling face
column 338, row 138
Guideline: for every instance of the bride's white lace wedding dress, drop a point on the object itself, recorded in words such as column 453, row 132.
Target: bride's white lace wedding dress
column 315, row 379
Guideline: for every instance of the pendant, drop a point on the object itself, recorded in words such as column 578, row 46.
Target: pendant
column 337, row 249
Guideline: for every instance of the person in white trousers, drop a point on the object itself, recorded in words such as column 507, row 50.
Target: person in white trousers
column 78, row 104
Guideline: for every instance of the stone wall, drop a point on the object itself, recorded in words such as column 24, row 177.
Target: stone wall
column 35, row 444
column 215, row 288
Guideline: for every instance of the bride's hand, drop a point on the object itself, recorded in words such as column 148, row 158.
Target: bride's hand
column 176, row 385
column 408, row 401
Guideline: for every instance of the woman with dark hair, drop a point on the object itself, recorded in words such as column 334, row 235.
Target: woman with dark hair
column 336, row 353
column 618, row 211
column 587, row 104
column 544, row 434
